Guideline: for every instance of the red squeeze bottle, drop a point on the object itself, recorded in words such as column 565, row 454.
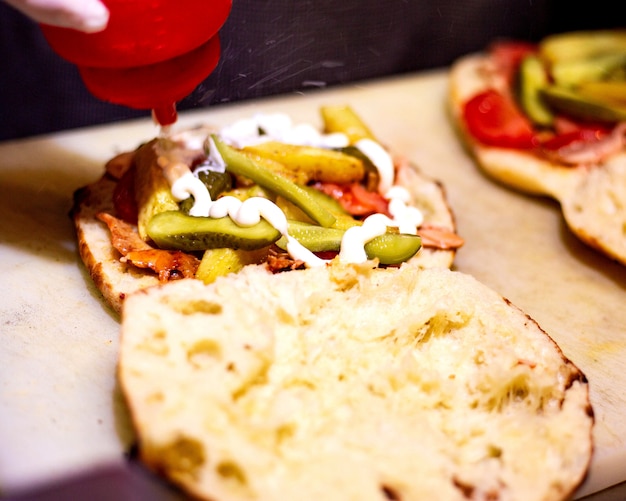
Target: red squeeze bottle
column 152, row 53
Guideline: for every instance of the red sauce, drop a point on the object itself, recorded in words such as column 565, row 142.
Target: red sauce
column 165, row 115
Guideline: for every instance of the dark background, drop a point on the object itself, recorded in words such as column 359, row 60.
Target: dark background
column 282, row 46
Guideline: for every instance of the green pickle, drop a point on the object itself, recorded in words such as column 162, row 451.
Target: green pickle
column 532, row 78
column 175, row 230
column 393, row 248
column 588, row 75
column 216, row 183
column 577, row 45
column 241, row 165
column 390, row 248
column 576, row 105
column 345, row 120
column 222, row 261
column 313, row 163
column 603, row 67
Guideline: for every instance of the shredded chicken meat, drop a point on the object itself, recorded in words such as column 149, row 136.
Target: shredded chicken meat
column 278, row 261
column 166, row 264
column 437, row 237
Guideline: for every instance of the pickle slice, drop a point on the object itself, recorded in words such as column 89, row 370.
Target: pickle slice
column 532, row 78
column 222, row 261
column 344, row 119
column 312, row 163
column 579, row 106
column 216, row 183
column 390, row 248
column 611, row 92
column 175, row 230
column 578, row 45
column 602, row 67
column 393, row 248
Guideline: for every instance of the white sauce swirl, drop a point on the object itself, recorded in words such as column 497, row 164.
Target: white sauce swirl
column 249, row 212
column 278, row 127
column 189, row 185
column 355, row 238
column 381, row 160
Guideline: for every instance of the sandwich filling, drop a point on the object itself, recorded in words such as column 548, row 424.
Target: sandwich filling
column 278, row 127
column 203, row 203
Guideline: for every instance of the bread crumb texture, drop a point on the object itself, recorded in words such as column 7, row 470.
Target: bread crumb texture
column 351, row 383
column 596, row 208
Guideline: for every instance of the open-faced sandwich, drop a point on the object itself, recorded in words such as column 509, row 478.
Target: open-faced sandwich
column 290, row 327
column 205, row 202
column 351, row 382
column 550, row 119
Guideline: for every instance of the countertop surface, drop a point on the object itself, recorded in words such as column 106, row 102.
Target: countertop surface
column 60, row 407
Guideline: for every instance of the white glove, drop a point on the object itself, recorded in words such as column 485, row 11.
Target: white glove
column 83, row 15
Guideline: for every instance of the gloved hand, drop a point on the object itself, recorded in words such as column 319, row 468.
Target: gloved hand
column 83, row 15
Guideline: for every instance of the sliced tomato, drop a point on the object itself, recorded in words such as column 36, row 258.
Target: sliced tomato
column 372, row 201
column 355, row 198
column 495, row 119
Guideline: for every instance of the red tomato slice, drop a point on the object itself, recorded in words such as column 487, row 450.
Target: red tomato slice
column 372, row 201
column 494, row 119
column 354, row 198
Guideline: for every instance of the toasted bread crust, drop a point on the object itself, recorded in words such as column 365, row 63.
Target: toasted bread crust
column 114, row 279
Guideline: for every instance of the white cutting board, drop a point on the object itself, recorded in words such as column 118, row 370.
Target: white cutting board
column 60, row 408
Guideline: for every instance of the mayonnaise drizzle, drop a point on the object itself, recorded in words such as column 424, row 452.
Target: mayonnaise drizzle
column 278, row 127
column 354, row 239
column 187, row 185
column 381, row 159
column 249, row 212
